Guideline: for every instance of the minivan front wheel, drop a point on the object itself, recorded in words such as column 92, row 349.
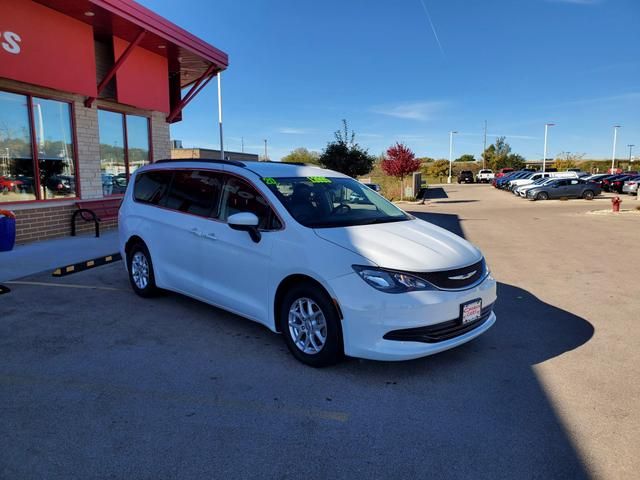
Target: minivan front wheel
column 141, row 271
column 311, row 327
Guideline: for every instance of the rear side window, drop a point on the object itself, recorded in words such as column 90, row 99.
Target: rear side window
column 151, row 187
column 195, row 191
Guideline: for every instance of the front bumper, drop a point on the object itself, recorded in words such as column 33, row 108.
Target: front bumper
column 370, row 315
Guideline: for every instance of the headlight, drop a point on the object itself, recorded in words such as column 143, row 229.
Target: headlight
column 390, row 281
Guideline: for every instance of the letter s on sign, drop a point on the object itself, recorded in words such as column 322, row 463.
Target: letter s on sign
column 12, row 42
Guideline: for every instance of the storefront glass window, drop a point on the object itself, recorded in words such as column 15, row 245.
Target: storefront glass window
column 124, row 147
column 54, row 140
column 16, row 159
column 137, row 141
column 112, row 159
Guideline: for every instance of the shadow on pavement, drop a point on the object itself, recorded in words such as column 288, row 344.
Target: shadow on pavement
column 436, row 192
column 456, row 201
column 120, row 386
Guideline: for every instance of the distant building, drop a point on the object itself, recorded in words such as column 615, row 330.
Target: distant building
column 208, row 154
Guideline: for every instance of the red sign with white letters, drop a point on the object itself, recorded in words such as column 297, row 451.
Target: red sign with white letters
column 46, row 48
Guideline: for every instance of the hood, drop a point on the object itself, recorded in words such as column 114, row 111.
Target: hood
column 414, row 245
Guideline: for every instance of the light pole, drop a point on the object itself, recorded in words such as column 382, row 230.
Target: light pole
column 544, row 156
column 450, row 153
column 220, row 114
column 266, row 157
column 615, row 141
column 630, row 157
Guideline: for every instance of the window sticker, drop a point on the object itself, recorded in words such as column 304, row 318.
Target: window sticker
column 319, row 180
column 270, row 181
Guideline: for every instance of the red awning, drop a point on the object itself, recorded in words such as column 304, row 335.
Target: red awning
column 187, row 55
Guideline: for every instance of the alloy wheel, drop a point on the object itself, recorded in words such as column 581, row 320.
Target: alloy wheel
column 307, row 326
column 140, row 270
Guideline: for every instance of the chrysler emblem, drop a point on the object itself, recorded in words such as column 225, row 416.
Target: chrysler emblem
column 464, row 276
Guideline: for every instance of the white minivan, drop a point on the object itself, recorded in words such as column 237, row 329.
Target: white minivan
column 307, row 252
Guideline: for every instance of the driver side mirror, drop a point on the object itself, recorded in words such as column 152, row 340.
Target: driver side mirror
column 246, row 222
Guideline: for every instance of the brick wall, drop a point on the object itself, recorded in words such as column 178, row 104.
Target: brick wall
column 51, row 222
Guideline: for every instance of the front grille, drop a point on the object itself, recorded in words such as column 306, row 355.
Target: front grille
column 447, row 279
column 440, row 331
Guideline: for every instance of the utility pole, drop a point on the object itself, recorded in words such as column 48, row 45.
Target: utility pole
column 266, row 156
column 484, row 149
column 630, row 157
column 242, row 144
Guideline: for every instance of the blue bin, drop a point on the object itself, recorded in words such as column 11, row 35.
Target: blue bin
column 7, row 233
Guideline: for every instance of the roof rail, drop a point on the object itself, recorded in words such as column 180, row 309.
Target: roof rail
column 289, row 163
column 204, row 160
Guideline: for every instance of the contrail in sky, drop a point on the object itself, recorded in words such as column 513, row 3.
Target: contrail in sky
column 433, row 29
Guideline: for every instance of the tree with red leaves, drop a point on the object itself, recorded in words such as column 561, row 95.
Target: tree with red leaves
column 399, row 162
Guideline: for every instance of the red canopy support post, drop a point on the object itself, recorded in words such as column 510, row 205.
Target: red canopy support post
column 195, row 89
column 116, row 66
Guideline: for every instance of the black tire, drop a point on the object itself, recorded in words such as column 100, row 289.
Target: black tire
column 542, row 196
column 149, row 289
column 333, row 349
column 588, row 195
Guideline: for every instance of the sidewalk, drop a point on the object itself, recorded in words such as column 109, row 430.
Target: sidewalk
column 35, row 257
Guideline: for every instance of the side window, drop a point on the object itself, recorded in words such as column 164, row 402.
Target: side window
column 195, row 191
column 562, row 183
column 238, row 196
column 574, row 182
column 151, row 187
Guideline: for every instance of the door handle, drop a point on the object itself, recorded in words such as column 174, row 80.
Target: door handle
column 196, row 232
column 211, row 236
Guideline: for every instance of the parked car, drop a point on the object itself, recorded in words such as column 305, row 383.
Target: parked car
column 522, row 190
column 631, row 186
column 61, row 184
column 503, row 181
column 616, row 184
column 608, row 182
column 374, row 186
column 465, row 176
column 503, row 171
column 9, row 184
column 485, row 176
column 595, row 177
column 282, row 245
column 564, row 188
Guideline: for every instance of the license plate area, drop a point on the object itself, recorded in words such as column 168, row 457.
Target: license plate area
column 471, row 311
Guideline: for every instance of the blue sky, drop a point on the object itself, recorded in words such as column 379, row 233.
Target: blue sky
column 411, row 70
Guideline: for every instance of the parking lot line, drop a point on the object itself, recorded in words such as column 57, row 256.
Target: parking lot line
column 213, row 401
column 63, row 285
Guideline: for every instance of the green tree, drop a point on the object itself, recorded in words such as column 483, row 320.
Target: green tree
column 345, row 155
column 467, row 157
column 438, row 168
column 302, row 155
column 499, row 156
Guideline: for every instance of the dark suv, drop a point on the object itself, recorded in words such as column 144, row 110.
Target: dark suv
column 465, row 176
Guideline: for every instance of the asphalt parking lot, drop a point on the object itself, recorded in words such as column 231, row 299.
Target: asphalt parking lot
column 98, row 383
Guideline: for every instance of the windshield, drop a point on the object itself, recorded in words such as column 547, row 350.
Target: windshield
column 322, row 202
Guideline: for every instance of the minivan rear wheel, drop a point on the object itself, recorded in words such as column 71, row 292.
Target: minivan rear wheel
column 140, row 269
column 311, row 327
column 588, row 195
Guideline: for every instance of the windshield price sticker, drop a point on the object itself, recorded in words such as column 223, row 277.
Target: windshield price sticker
column 319, row 180
column 270, row 181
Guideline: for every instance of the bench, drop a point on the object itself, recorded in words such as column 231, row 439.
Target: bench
column 96, row 211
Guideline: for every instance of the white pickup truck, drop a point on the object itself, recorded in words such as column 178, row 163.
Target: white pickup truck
column 484, row 176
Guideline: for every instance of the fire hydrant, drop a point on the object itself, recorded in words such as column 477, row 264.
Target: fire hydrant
column 615, row 204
